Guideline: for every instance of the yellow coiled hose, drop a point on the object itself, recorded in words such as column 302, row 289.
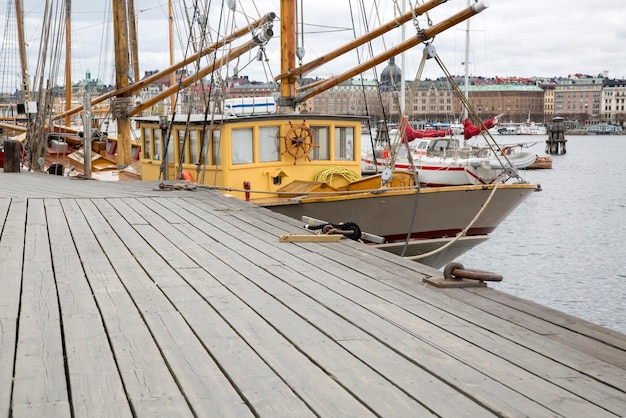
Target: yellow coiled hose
column 328, row 174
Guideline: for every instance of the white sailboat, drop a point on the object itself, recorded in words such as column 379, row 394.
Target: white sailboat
column 441, row 159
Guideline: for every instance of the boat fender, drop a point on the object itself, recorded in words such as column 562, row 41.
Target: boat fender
column 184, row 175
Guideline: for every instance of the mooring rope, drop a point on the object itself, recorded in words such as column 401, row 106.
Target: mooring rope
column 460, row 234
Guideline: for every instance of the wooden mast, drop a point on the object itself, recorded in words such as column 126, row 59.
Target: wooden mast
column 134, row 48
column 68, row 60
column 122, row 102
column 170, row 16
column 19, row 12
column 286, row 101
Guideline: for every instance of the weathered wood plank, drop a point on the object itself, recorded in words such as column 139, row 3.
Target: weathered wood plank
column 318, row 389
column 39, row 380
column 204, row 385
column 292, row 323
column 93, row 376
column 11, row 255
column 149, row 385
column 516, row 350
column 528, row 385
column 553, row 320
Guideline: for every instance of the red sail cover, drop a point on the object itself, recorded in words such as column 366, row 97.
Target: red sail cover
column 412, row 134
column 469, row 130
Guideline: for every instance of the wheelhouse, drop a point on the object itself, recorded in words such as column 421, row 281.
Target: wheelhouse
column 262, row 153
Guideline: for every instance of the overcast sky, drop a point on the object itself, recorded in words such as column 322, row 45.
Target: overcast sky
column 510, row 38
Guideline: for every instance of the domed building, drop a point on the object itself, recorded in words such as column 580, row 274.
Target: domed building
column 391, row 76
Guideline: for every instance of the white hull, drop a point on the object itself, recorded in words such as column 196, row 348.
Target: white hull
column 453, row 171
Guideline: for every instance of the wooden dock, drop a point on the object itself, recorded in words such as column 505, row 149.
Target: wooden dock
column 120, row 299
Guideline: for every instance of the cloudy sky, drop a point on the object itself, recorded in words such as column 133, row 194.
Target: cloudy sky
column 510, row 38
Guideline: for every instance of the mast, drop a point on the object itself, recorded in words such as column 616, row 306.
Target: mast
column 19, row 11
column 122, row 102
column 134, row 48
column 466, row 63
column 171, row 41
column 68, row 60
column 403, row 66
column 288, row 53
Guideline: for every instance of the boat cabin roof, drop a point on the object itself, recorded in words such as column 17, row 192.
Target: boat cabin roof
column 200, row 119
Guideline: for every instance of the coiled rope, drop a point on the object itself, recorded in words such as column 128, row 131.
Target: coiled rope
column 328, row 174
column 347, row 229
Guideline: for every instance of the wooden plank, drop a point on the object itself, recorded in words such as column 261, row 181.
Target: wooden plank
column 292, row 404
column 204, row 385
column 558, row 319
column 529, row 385
column 8, row 333
column 39, row 381
column 338, row 400
column 93, row 376
column 309, row 238
column 11, row 256
column 316, row 349
column 149, row 384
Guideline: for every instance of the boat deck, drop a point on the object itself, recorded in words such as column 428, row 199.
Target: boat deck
column 120, row 299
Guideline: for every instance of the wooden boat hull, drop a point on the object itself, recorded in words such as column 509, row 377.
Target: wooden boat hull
column 541, row 163
column 433, row 213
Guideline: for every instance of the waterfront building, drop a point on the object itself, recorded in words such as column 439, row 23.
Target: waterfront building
column 614, row 102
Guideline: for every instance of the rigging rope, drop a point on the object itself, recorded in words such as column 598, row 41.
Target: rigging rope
column 510, row 170
column 460, row 234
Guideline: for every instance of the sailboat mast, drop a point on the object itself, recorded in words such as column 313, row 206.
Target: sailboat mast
column 288, row 53
column 122, row 102
column 68, row 60
column 19, row 12
column 170, row 15
column 403, row 66
column 134, row 48
column 466, row 63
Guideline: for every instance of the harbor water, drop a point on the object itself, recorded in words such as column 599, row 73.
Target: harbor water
column 565, row 247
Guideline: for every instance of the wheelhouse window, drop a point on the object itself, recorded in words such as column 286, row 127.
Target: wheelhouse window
column 321, row 151
column 146, row 143
column 269, row 145
column 193, row 146
column 188, row 146
column 156, row 134
column 215, row 146
column 344, row 143
column 170, row 147
column 242, row 151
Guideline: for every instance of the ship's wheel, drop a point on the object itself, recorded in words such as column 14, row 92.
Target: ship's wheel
column 299, row 141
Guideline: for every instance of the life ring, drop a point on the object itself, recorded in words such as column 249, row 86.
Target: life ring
column 184, row 175
column 505, row 151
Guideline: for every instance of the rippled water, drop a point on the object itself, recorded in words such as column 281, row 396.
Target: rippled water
column 565, row 247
